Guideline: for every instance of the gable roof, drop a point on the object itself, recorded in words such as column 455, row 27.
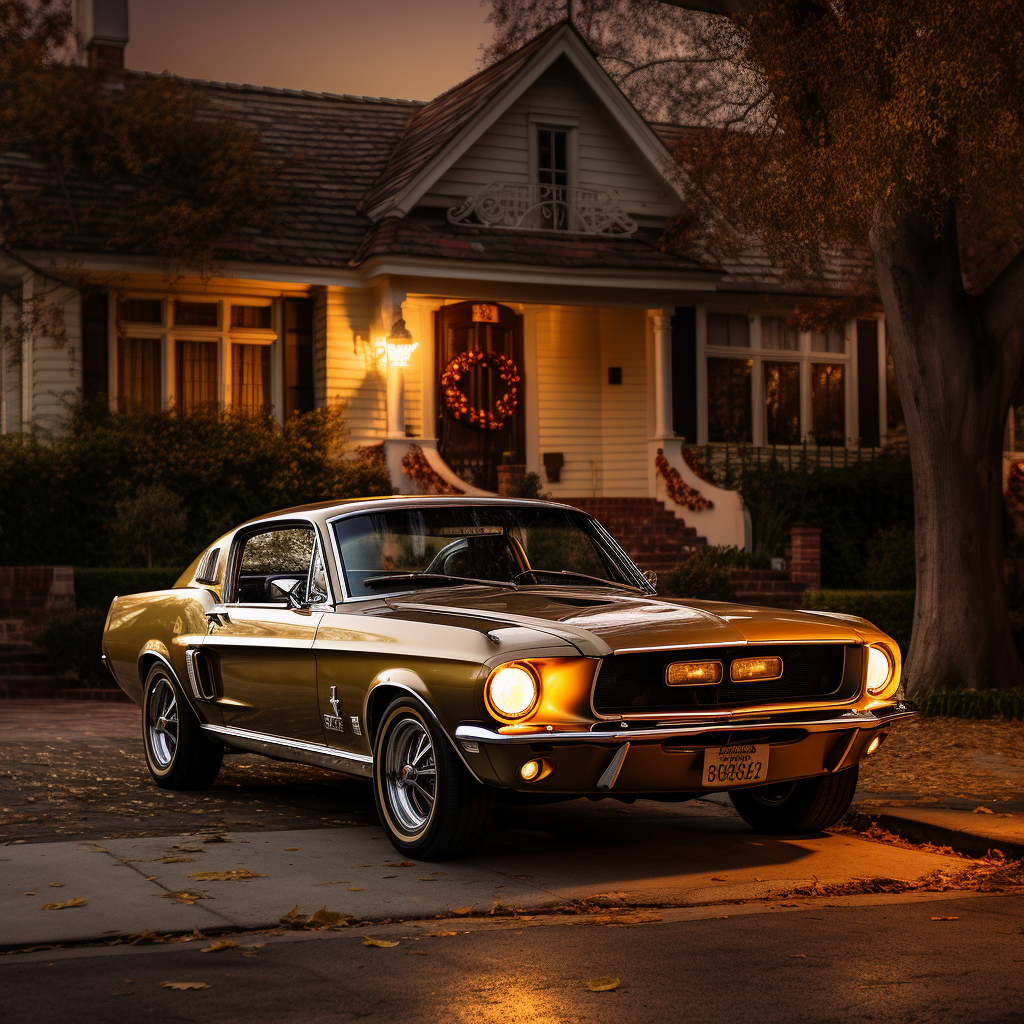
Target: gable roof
column 441, row 131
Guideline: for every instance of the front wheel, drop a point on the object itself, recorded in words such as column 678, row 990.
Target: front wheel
column 178, row 754
column 430, row 805
column 796, row 808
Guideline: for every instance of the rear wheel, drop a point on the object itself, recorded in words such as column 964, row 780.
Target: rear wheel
column 178, row 754
column 430, row 805
column 796, row 808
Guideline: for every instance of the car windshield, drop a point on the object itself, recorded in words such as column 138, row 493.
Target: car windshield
column 515, row 544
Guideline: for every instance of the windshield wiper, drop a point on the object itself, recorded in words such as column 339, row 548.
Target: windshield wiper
column 562, row 574
column 433, row 579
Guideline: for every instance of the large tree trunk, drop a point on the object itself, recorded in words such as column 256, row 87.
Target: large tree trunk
column 956, row 357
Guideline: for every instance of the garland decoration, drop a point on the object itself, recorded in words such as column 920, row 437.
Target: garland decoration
column 417, row 468
column 458, row 403
column 698, row 464
column 678, row 489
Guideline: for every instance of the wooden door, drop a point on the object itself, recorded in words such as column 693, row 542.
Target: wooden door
column 474, row 449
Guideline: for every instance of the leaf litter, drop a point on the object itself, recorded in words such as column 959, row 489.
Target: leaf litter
column 235, row 875
column 66, row 905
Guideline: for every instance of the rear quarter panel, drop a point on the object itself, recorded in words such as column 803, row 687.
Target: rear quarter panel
column 163, row 622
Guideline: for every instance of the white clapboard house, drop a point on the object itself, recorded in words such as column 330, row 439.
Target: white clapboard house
column 479, row 279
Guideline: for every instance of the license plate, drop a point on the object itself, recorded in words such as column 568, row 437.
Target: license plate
column 728, row 767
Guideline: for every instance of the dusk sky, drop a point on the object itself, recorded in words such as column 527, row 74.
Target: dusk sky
column 412, row 49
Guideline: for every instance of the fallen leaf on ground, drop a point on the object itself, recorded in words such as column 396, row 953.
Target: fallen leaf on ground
column 442, row 935
column 400, row 864
column 235, row 875
column 30, row 894
column 325, row 918
column 143, row 936
column 185, row 896
column 945, row 918
column 422, row 879
column 417, row 952
column 196, row 934
column 330, row 883
column 56, row 885
column 176, row 860
column 798, row 956
column 184, row 986
column 381, row 943
column 67, row 904
column 603, row 984
column 463, row 911
column 222, row 944
column 216, row 839
column 354, row 888
column 982, row 810
column 253, row 949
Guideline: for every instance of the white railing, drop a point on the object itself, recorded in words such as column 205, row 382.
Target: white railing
column 587, row 211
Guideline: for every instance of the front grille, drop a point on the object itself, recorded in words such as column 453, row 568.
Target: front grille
column 631, row 684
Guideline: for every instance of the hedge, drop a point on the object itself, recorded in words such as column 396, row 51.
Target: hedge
column 892, row 611
column 973, row 704
column 96, row 588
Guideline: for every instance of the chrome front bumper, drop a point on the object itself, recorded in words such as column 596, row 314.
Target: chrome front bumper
column 603, row 734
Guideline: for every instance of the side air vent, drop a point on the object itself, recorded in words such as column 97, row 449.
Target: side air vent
column 200, row 675
column 207, row 572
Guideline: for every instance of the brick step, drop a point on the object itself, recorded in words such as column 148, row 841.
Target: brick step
column 30, row 687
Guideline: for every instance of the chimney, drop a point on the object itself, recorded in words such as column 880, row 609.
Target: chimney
column 102, row 30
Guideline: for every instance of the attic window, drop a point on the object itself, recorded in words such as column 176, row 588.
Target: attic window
column 195, row 314
column 553, row 176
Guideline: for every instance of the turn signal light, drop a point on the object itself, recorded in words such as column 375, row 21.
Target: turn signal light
column 749, row 670
column 693, row 673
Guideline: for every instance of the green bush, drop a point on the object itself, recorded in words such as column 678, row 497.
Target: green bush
column 71, row 642
column 704, row 575
column 59, row 501
column 892, row 563
column 973, row 704
column 892, row 611
column 96, row 588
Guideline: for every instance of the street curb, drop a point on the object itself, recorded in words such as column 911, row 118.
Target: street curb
column 967, row 843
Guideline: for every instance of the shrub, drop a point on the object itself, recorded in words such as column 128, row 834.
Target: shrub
column 96, row 588
column 71, row 643
column 973, row 704
column 892, row 611
column 891, row 564
column 58, row 501
column 704, row 575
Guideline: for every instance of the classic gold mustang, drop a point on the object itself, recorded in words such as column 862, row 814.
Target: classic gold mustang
column 458, row 650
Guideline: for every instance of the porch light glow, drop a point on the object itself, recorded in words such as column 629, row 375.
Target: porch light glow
column 400, row 345
column 693, row 673
column 749, row 670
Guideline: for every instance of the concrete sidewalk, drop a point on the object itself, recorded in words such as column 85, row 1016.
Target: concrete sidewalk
column 706, row 857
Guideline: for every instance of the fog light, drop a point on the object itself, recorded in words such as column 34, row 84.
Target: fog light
column 535, row 770
column 875, row 744
column 693, row 673
column 749, row 670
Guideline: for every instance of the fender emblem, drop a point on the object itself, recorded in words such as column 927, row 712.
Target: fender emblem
column 334, row 722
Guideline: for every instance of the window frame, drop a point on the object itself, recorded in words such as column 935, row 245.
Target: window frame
column 758, row 354
column 556, row 123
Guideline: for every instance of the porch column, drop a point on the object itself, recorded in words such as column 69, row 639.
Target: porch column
column 396, row 400
column 661, row 323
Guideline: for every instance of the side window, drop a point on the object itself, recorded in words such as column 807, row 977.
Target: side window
column 275, row 563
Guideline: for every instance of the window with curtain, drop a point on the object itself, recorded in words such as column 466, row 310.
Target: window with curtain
column 777, row 334
column 195, row 314
column 782, row 402
column 250, row 378
column 197, row 389
column 138, row 374
column 729, row 412
column 251, row 317
column 828, row 404
column 832, row 339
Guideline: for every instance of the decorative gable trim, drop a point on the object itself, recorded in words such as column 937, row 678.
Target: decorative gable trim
column 564, row 42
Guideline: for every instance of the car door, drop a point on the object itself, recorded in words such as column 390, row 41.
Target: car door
column 260, row 641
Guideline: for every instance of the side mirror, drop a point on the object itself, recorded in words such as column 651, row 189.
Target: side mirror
column 652, row 577
column 286, row 590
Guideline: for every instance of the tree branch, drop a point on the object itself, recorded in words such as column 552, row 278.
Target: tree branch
column 1003, row 301
column 727, row 8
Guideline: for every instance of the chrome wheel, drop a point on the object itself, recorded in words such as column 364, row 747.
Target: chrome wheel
column 410, row 774
column 162, row 721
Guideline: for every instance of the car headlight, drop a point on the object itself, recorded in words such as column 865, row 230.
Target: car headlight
column 512, row 691
column 880, row 670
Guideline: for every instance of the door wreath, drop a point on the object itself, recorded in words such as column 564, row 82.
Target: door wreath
column 458, row 403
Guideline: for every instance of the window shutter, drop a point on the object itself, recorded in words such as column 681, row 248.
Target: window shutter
column 867, row 382
column 684, row 373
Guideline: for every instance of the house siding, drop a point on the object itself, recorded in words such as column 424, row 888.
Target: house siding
column 600, row 429
column 607, row 159
column 54, row 365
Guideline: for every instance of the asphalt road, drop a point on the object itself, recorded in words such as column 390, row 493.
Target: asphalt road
column 836, row 962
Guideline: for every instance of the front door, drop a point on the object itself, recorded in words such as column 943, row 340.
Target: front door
column 259, row 645
column 480, row 389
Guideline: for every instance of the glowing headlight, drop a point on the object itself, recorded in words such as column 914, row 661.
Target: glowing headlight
column 512, row 691
column 880, row 669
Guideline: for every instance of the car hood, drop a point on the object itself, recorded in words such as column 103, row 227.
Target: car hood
column 600, row 620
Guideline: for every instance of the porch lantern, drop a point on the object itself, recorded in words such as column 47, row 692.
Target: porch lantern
column 400, row 347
